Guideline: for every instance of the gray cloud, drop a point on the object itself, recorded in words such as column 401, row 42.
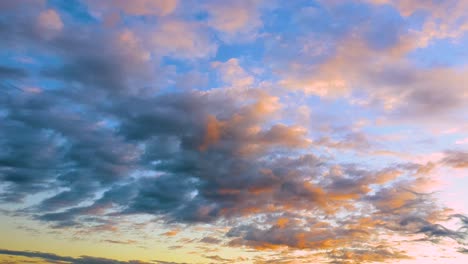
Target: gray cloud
column 210, row 240
column 166, row 173
column 49, row 257
column 11, row 72
column 456, row 159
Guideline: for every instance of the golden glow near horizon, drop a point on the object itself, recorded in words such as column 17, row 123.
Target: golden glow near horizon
column 247, row 131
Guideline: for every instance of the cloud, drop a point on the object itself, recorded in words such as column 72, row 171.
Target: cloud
column 456, row 159
column 233, row 74
column 12, row 5
column 238, row 174
column 137, row 7
column 49, row 257
column 82, row 64
column 127, row 242
column 167, row 262
column 7, row 72
column 171, row 35
column 218, row 259
column 108, row 136
column 375, row 254
column 445, row 19
column 352, row 60
column 50, row 20
column 236, row 21
column 210, row 240
column 89, row 57
column 182, row 39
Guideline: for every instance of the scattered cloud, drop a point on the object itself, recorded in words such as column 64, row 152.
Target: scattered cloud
column 282, row 133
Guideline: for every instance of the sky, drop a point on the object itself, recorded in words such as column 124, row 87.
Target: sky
column 246, row 131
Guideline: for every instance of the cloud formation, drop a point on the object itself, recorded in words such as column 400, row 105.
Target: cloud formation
column 269, row 124
column 52, row 258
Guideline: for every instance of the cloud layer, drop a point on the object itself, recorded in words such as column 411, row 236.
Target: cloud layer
column 208, row 114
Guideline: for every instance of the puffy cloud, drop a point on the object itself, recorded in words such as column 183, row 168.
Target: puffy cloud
column 100, row 68
column 446, row 19
column 137, row 7
column 238, row 173
column 50, row 20
column 171, row 35
column 182, row 39
column 353, row 60
column 233, row 74
column 236, row 20
column 436, row 10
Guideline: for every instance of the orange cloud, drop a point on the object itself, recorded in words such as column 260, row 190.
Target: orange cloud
column 212, row 132
column 233, row 74
column 171, row 233
column 49, row 23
